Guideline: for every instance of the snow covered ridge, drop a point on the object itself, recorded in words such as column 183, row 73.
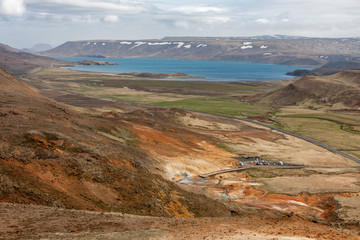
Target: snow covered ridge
column 180, row 44
column 159, row 43
column 139, row 43
column 173, row 44
column 247, row 46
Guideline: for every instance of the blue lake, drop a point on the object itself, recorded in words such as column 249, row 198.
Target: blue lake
column 210, row 70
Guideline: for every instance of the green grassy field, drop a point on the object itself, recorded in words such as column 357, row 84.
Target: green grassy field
column 213, row 97
column 231, row 107
column 190, row 87
column 324, row 127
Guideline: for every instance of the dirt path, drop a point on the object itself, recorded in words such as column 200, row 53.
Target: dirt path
column 285, row 132
column 205, row 175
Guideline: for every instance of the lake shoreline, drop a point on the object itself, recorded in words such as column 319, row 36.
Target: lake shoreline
column 187, row 70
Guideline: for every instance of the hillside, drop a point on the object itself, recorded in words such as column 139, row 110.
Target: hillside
column 50, row 155
column 343, row 87
column 289, row 51
column 328, row 69
column 18, row 62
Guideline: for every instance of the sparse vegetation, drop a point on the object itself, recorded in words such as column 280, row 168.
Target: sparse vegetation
column 323, row 126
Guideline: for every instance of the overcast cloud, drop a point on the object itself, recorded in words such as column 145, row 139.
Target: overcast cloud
column 24, row 23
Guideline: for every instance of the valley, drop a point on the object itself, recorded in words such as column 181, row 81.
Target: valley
column 119, row 97
column 120, row 156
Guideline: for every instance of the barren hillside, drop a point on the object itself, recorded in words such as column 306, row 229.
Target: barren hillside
column 52, row 156
column 18, row 62
column 343, row 87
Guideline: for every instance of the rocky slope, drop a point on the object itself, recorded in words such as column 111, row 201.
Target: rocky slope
column 343, row 87
column 50, row 155
column 289, row 51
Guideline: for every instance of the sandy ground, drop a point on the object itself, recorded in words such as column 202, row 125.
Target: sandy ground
column 287, row 149
column 350, row 209
column 326, row 184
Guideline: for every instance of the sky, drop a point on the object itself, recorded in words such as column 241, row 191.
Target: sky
column 24, row 23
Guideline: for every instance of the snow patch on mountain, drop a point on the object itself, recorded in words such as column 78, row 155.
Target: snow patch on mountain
column 179, row 44
column 159, row 43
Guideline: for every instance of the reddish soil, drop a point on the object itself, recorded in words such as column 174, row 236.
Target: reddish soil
column 52, row 156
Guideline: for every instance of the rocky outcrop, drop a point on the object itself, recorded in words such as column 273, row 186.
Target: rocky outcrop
column 94, row 63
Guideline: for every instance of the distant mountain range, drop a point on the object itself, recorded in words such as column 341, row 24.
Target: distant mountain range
column 288, row 50
column 40, row 47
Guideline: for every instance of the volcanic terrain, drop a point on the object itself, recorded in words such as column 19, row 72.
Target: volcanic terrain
column 106, row 156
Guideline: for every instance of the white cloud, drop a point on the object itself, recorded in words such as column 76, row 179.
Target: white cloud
column 198, row 9
column 12, row 8
column 88, row 19
column 215, row 20
column 263, row 20
column 115, row 6
column 81, row 19
column 181, row 24
column 111, row 18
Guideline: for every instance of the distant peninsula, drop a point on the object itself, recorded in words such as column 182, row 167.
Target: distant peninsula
column 93, row 63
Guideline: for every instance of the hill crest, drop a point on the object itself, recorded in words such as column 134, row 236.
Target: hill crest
column 343, row 87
